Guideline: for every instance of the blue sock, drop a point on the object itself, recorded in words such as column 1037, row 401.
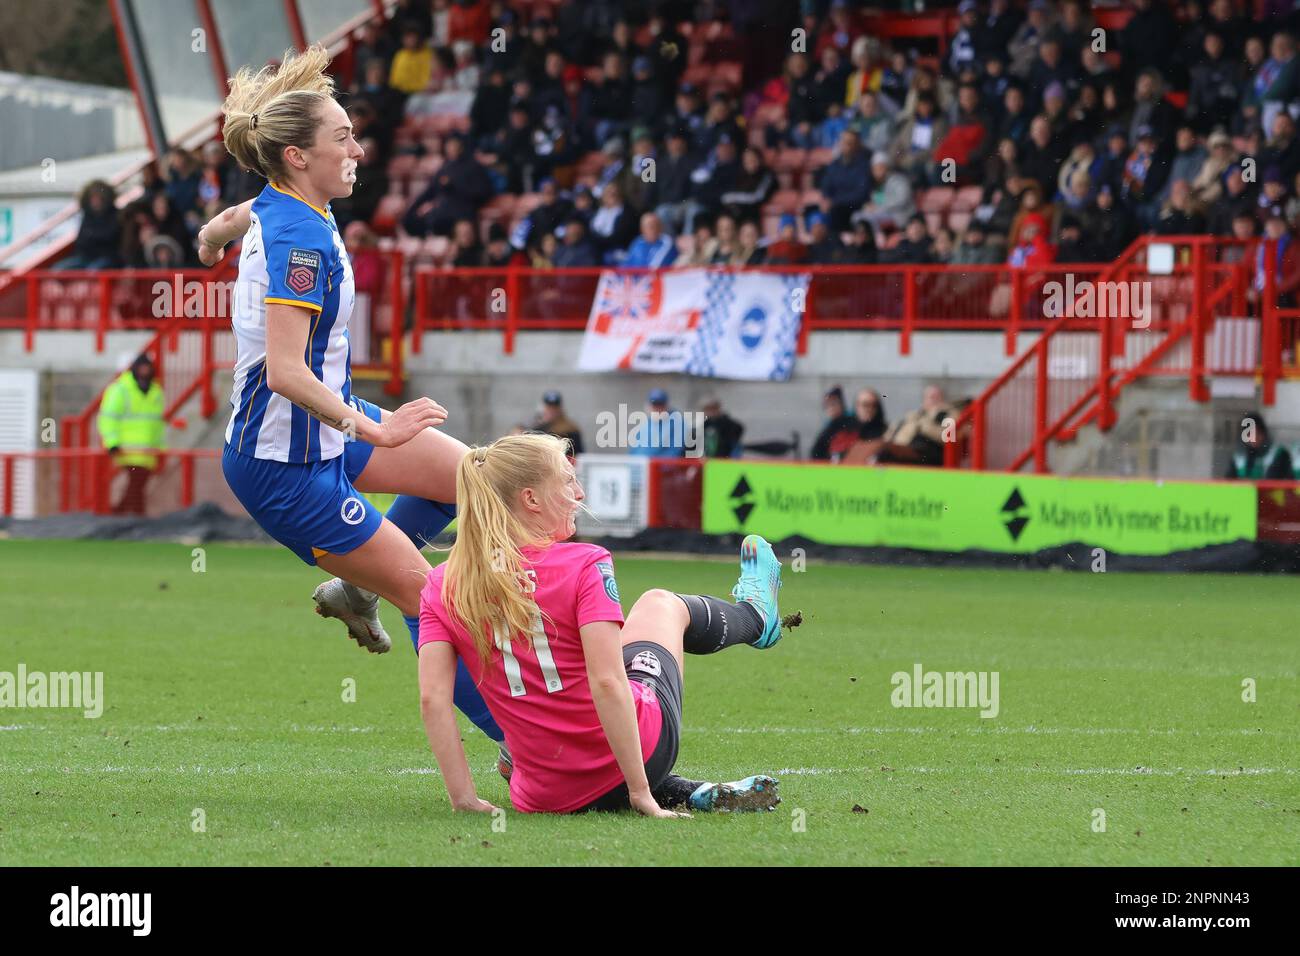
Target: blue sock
column 420, row 519
column 466, row 696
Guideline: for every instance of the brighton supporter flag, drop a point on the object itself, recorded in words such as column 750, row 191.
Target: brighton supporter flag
column 698, row 321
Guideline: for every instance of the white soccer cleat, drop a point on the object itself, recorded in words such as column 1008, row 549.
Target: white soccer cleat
column 356, row 608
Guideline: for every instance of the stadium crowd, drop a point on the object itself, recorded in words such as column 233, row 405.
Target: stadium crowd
column 623, row 132
column 859, row 433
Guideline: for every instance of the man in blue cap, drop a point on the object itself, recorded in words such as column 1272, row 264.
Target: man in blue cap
column 663, row 435
column 825, row 247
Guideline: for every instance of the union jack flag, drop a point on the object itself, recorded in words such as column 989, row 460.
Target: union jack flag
column 628, row 297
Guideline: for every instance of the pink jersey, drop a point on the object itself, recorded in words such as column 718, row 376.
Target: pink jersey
column 540, row 696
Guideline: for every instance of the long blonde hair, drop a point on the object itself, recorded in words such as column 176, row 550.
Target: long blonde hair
column 485, row 587
column 274, row 107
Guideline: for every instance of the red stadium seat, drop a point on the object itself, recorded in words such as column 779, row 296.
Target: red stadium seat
column 389, row 212
column 699, row 74
column 937, row 199
column 958, row 221
column 817, row 158
column 967, row 198
column 790, row 160
column 768, row 113
column 427, row 167
column 402, row 166
column 783, row 200
column 810, row 197
column 526, row 203
column 730, row 72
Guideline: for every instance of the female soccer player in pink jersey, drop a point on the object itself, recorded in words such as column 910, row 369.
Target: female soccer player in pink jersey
column 590, row 706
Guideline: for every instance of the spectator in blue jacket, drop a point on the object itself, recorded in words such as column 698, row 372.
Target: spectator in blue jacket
column 652, row 249
column 846, row 181
column 663, row 435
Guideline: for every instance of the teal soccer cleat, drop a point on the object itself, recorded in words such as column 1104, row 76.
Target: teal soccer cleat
column 760, row 580
column 753, row 793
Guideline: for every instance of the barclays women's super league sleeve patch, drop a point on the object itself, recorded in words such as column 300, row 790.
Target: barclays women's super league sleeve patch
column 303, row 271
column 606, row 570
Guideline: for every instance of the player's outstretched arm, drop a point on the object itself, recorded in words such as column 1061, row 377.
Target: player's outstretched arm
column 225, row 227
column 287, row 330
column 613, row 699
column 437, row 681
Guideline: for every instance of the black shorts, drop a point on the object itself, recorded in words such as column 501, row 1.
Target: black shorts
column 651, row 664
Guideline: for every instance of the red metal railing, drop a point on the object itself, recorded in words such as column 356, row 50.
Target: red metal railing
column 63, row 480
column 902, row 298
column 104, row 301
column 1198, row 324
column 190, row 350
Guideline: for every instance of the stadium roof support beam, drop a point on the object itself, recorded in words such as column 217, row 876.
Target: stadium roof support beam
column 215, row 49
column 294, row 19
column 137, row 73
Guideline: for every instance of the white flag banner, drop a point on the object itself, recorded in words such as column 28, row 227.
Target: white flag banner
column 742, row 325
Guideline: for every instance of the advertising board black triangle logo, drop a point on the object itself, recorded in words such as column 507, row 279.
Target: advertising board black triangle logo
column 742, row 495
column 1014, row 511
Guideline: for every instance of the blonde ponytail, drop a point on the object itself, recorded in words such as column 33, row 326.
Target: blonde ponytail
column 485, row 588
column 275, row 107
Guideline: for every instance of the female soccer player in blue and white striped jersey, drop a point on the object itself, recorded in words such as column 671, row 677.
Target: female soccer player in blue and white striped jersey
column 299, row 446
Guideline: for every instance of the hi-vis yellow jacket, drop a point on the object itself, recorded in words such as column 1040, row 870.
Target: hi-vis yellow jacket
column 132, row 420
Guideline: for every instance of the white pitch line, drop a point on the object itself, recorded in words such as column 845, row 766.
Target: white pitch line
column 978, row 730
column 200, row 770
column 982, row 730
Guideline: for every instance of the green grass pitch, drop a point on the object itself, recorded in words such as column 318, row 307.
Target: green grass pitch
column 224, row 694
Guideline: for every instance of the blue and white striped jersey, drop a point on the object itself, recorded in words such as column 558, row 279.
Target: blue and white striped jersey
column 292, row 254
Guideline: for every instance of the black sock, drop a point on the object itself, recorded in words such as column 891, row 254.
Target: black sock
column 675, row 791
column 716, row 624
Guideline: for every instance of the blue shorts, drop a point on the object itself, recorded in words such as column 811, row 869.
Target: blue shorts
column 311, row 509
